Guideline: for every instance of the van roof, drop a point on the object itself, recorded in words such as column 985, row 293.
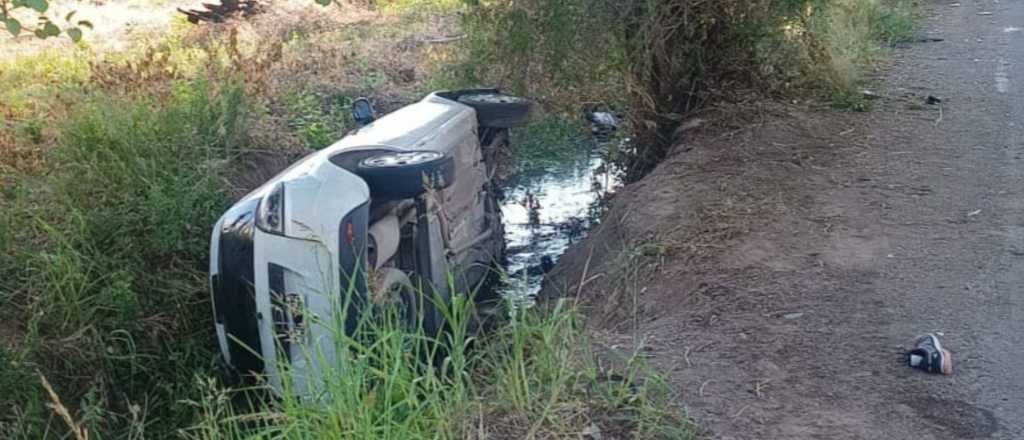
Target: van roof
column 434, row 123
column 424, row 125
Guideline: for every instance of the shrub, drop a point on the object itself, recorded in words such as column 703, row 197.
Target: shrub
column 534, row 378
column 318, row 122
column 667, row 58
column 113, row 297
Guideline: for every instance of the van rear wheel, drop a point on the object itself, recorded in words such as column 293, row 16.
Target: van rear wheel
column 497, row 110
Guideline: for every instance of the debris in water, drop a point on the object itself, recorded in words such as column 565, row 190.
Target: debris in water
column 928, row 355
column 603, row 123
column 546, row 264
column 549, row 205
column 604, row 118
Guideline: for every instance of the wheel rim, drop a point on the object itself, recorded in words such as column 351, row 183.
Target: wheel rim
column 402, row 159
column 491, row 98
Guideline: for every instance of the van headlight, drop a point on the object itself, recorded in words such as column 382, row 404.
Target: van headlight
column 270, row 214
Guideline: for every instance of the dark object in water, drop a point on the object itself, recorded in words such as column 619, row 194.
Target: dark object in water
column 546, row 264
column 603, row 122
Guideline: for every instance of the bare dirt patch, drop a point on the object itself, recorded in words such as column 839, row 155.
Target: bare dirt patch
column 116, row 24
column 777, row 267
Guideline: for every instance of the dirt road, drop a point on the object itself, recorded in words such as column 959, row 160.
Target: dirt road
column 778, row 272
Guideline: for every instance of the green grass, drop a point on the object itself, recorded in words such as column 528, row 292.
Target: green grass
column 420, row 6
column 103, row 247
column 33, row 90
column 108, row 289
column 663, row 58
column 29, row 79
column 534, row 378
column 318, row 122
column 853, row 35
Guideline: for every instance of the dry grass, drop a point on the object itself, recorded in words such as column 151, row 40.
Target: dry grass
column 223, row 107
column 79, row 431
column 301, row 64
column 663, row 60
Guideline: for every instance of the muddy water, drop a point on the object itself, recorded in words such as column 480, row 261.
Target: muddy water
column 550, row 203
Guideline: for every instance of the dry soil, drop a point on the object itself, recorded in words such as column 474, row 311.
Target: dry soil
column 777, row 270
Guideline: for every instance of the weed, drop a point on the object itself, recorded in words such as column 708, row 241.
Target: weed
column 123, row 224
column 29, row 83
column 102, row 245
column 420, row 6
column 839, row 40
column 850, row 99
column 318, row 122
column 534, row 378
column 666, row 59
column 139, row 173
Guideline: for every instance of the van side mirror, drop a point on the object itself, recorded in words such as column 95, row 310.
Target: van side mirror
column 362, row 112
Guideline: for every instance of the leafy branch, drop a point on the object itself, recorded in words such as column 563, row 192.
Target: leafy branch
column 45, row 27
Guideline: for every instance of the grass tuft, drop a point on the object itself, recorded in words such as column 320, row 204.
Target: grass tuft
column 666, row 59
column 534, row 378
column 116, row 233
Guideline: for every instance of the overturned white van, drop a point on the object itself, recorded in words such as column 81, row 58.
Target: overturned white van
column 404, row 204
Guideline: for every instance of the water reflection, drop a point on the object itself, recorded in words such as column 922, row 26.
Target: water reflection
column 549, row 205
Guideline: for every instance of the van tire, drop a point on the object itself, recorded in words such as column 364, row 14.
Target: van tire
column 400, row 175
column 497, row 110
column 399, row 290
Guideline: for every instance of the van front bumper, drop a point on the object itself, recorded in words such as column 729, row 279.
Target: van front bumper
column 280, row 303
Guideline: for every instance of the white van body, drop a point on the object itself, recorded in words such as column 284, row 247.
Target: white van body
column 332, row 234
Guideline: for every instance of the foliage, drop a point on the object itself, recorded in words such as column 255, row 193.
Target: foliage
column 108, row 294
column 114, row 170
column 103, row 238
column 318, row 122
column 664, row 59
column 46, row 28
column 534, row 378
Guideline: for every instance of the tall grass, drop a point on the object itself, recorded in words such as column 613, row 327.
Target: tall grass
column 853, row 33
column 103, row 248
column 534, row 378
column 108, row 291
column 665, row 59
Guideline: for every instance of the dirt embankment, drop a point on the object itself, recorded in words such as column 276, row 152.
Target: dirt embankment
column 776, row 267
column 712, row 263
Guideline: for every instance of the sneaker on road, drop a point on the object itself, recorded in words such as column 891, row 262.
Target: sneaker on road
column 928, row 355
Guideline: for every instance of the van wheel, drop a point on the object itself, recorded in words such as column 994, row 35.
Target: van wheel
column 408, row 305
column 406, row 174
column 498, row 110
column 406, row 298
